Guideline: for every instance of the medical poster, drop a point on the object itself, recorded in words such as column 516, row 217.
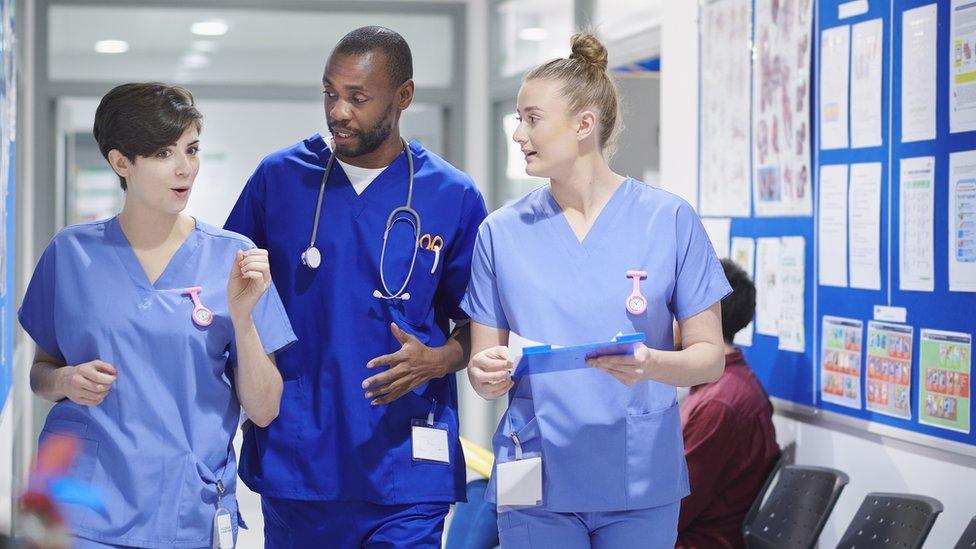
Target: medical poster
column 726, row 52
column 918, row 53
column 834, row 58
column 840, row 361
column 945, row 371
column 767, row 286
column 781, row 108
column 864, row 218
column 962, row 222
column 867, row 41
column 718, row 230
column 962, row 67
column 792, row 284
column 743, row 253
column 916, row 230
column 832, row 228
column 888, row 385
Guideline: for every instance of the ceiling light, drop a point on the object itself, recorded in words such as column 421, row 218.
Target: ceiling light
column 533, row 34
column 214, row 27
column 111, row 46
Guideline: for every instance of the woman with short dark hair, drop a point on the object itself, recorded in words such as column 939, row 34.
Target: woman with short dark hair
column 152, row 330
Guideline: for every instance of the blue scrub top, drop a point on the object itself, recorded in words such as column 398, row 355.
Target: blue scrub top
column 605, row 446
column 156, row 446
column 329, row 443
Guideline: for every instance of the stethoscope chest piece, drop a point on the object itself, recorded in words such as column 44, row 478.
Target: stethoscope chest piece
column 312, row 258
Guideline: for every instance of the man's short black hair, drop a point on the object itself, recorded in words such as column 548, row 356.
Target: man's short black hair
column 394, row 47
column 739, row 307
column 140, row 118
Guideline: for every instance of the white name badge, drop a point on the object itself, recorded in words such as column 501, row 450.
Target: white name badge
column 430, row 443
column 519, row 482
column 223, row 532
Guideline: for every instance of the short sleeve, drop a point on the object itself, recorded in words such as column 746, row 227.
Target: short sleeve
column 482, row 301
column 272, row 322
column 457, row 263
column 247, row 217
column 37, row 314
column 699, row 278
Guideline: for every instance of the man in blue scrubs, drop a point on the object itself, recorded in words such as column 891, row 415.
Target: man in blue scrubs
column 365, row 451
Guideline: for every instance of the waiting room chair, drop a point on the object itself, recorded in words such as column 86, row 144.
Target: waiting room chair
column 968, row 538
column 899, row 521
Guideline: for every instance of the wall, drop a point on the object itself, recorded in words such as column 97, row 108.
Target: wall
column 873, row 462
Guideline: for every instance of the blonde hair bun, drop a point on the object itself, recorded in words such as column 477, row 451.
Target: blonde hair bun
column 588, row 48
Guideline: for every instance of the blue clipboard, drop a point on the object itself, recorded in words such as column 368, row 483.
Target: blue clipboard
column 543, row 359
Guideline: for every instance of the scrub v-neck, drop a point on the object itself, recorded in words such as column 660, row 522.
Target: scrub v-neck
column 131, row 261
column 581, row 250
column 385, row 182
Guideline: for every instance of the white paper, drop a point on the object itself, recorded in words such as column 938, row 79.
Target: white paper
column 519, row 482
column 916, row 230
column 852, row 9
column 864, row 212
column 767, row 286
column 516, row 345
column 793, row 281
column 718, row 232
column 840, row 361
column 834, row 55
column 781, row 108
column 743, row 252
column 726, row 56
column 918, row 73
column 867, row 40
column 832, row 228
column 962, row 67
column 962, row 222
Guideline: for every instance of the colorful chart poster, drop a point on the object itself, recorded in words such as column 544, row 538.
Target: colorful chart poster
column 962, row 67
column 724, row 126
column 781, row 108
column 840, row 361
column 888, row 387
column 962, row 221
column 945, row 364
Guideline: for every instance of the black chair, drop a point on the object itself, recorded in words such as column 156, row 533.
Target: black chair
column 796, row 510
column 900, row 521
column 968, row 538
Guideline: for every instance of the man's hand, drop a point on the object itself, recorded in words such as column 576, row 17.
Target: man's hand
column 413, row 365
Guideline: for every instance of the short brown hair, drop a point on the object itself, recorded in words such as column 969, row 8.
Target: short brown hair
column 585, row 82
column 140, row 118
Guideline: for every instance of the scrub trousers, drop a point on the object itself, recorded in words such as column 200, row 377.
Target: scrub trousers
column 654, row 528
column 292, row 523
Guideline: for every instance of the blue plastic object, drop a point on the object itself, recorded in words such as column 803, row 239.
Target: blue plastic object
column 544, row 359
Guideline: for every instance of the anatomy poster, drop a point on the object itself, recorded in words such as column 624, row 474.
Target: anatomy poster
column 781, row 108
column 725, row 59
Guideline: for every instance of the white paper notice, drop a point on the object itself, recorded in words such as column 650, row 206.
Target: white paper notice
column 726, row 56
column 781, row 108
column 864, row 212
column 962, row 221
column 835, row 57
column 792, row 283
column 743, row 253
column 767, row 286
column 962, row 67
column 718, row 232
column 916, row 236
column 832, row 233
column 918, row 73
column 867, row 39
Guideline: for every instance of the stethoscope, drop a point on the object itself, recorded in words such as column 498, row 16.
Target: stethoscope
column 312, row 257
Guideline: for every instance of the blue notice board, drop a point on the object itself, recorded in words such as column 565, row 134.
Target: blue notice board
column 795, row 377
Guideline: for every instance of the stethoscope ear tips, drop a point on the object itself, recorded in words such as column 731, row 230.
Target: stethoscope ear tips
column 377, row 294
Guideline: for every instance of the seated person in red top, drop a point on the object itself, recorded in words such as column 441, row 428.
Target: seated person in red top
column 730, row 443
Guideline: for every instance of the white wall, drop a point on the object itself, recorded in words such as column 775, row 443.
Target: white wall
column 873, row 462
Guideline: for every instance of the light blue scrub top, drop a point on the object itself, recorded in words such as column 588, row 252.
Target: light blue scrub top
column 605, row 446
column 329, row 443
column 156, row 446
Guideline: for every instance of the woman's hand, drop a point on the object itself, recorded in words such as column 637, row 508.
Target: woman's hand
column 628, row 369
column 87, row 384
column 490, row 372
column 250, row 277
